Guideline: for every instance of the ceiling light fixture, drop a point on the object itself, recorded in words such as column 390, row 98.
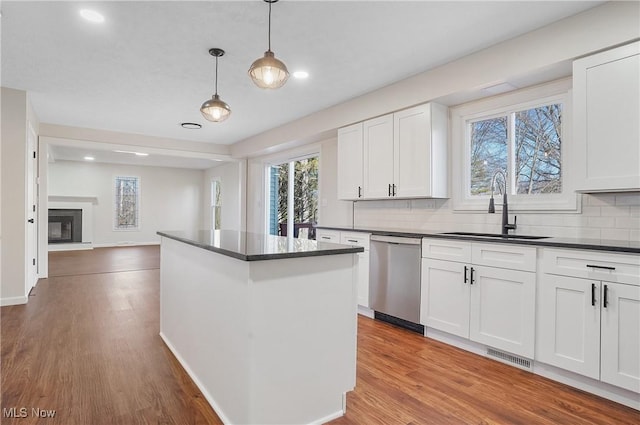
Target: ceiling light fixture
column 89, row 158
column 301, row 75
column 215, row 109
column 133, row 153
column 92, row 16
column 269, row 72
column 191, row 125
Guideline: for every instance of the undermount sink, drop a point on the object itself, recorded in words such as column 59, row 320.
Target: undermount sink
column 495, row 235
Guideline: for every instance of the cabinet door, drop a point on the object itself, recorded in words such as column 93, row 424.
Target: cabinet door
column 620, row 349
column 445, row 296
column 502, row 309
column 412, row 152
column 569, row 324
column 350, row 160
column 606, row 125
column 378, row 157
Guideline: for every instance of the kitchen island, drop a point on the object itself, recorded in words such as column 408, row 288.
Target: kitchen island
column 264, row 325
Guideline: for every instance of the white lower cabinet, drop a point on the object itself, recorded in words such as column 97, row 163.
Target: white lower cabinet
column 503, row 308
column 471, row 298
column 445, row 297
column 591, row 326
column 356, row 239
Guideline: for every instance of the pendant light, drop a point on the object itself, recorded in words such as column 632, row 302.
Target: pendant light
column 215, row 109
column 269, row 72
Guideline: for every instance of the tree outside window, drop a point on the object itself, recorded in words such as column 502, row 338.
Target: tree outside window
column 526, row 144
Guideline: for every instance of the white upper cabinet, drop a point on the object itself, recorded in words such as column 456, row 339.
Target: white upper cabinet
column 404, row 155
column 350, row 162
column 606, row 93
column 378, row 157
column 420, row 152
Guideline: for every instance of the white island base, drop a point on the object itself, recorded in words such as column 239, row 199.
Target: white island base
column 266, row 342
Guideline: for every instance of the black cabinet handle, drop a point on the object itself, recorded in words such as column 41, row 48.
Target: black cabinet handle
column 389, row 189
column 471, row 282
column 30, row 220
column 359, row 192
column 593, row 266
column 394, row 190
column 325, row 237
column 593, row 294
column 605, row 299
column 465, row 275
column 352, row 240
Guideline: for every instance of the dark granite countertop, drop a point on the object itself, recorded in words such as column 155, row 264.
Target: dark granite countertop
column 254, row 246
column 574, row 243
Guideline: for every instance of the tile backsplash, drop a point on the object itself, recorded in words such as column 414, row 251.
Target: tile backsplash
column 604, row 216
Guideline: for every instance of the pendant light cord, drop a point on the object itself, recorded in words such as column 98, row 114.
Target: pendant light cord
column 216, row 75
column 269, row 26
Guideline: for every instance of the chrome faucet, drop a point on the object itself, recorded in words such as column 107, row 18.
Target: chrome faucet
column 506, row 226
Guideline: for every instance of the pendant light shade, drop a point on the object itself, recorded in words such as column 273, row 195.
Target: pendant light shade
column 269, row 72
column 215, row 109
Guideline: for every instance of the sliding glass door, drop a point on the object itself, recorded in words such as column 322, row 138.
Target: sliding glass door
column 293, row 193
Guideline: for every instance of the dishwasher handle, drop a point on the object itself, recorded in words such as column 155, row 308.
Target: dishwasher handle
column 396, row 239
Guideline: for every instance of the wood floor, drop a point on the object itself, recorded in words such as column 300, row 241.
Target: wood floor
column 87, row 346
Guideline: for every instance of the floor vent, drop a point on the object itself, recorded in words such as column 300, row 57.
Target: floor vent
column 516, row 361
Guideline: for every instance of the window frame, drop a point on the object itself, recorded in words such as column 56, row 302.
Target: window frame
column 462, row 116
column 277, row 160
column 215, row 183
column 116, row 227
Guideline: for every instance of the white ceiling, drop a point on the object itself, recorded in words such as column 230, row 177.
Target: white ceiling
column 147, row 68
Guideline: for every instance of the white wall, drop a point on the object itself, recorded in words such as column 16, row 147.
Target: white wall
column 232, row 177
column 170, row 198
column 17, row 115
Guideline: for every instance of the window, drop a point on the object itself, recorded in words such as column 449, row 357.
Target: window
column 216, row 205
column 521, row 134
column 295, row 197
column 127, row 196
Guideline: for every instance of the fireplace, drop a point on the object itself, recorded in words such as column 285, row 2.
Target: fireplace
column 65, row 225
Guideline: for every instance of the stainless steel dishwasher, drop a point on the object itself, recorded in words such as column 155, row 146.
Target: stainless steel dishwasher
column 394, row 278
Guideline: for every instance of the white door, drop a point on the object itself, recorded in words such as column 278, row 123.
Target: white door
column 620, row 348
column 445, row 296
column 412, row 154
column 350, row 159
column 502, row 312
column 569, row 324
column 32, row 215
column 378, row 157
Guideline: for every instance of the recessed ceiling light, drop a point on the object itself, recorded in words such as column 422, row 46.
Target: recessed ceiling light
column 191, row 125
column 92, row 16
column 89, row 158
column 300, row 75
column 133, row 153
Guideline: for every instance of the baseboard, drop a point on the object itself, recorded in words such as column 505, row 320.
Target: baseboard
column 119, row 244
column 365, row 311
column 81, row 246
column 593, row 386
column 13, row 301
column 329, row 418
column 196, row 381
